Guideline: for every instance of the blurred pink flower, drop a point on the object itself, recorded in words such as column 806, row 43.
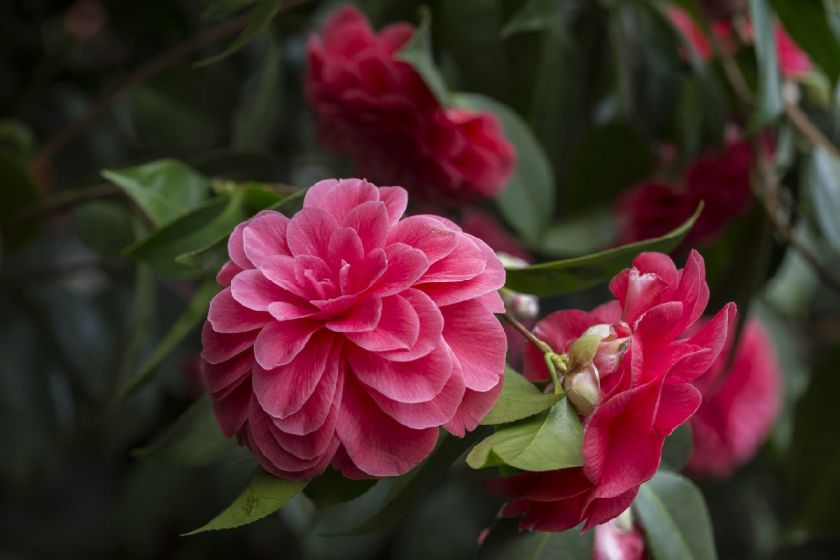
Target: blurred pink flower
column 377, row 110
column 647, row 367
column 614, row 542
column 739, row 406
column 348, row 336
column 793, row 62
column 720, row 179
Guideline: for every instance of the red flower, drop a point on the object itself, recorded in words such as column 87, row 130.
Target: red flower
column 349, row 336
column 792, row 60
column 739, row 405
column 720, row 179
column 646, row 367
column 377, row 110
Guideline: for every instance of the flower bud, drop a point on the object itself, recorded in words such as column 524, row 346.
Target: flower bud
column 583, row 387
column 522, row 306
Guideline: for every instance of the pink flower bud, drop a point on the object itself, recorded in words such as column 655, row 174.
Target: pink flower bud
column 583, row 387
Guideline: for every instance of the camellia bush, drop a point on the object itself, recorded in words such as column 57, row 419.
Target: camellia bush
column 495, row 279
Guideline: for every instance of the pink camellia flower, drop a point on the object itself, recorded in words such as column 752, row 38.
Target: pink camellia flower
column 348, row 336
column 739, row 406
column 720, row 179
column 793, row 63
column 617, row 540
column 377, row 110
column 646, row 366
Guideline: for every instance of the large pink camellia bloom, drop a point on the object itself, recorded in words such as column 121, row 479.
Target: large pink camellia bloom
column 348, row 336
column 377, row 110
column 644, row 369
column 721, row 179
column 739, row 405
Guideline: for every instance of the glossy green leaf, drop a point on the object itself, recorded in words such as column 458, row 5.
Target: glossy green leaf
column 263, row 496
column 519, row 399
column 192, row 316
column 579, row 273
column 193, row 440
column 202, row 228
column 331, row 489
column 259, row 21
column 823, row 178
column 506, row 542
column 769, row 102
column 418, row 53
column 589, row 181
column 675, row 518
column 165, row 189
column 808, row 25
column 527, row 202
column 408, row 489
column 677, row 449
column 545, row 442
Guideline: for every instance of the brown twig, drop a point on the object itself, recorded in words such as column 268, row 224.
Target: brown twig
column 766, row 191
column 529, row 336
column 809, row 130
column 61, row 203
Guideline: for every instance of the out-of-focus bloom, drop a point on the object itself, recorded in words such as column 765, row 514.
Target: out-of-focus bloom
column 348, row 336
column 739, row 405
column 793, row 62
column 377, row 110
column 644, row 397
column 619, row 539
column 720, row 179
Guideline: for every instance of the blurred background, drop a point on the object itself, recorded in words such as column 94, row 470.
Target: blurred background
column 90, row 469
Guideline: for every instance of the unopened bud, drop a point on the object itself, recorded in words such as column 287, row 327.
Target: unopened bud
column 624, row 522
column 523, row 306
column 583, row 387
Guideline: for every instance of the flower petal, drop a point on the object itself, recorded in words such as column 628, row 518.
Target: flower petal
column 279, row 342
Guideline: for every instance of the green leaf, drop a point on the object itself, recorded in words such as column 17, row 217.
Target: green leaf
column 408, row 489
column 260, row 20
column 418, row 53
column 19, row 193
column 331, row 489
column 808, row 25
column 194, row 440
column 537, row 15
column 590, row 181
column 527, row 202
column 192, row 316
column 769, row 102
column 823, row 180
column 677, row 449
column 257, row 113
column 519, row 399
column 263, row 496
column 579, row 273
column 675, row 518
column 583, row 233
column 506, row 542
column 104, row 226
column 165, row 189
column 546, row 442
